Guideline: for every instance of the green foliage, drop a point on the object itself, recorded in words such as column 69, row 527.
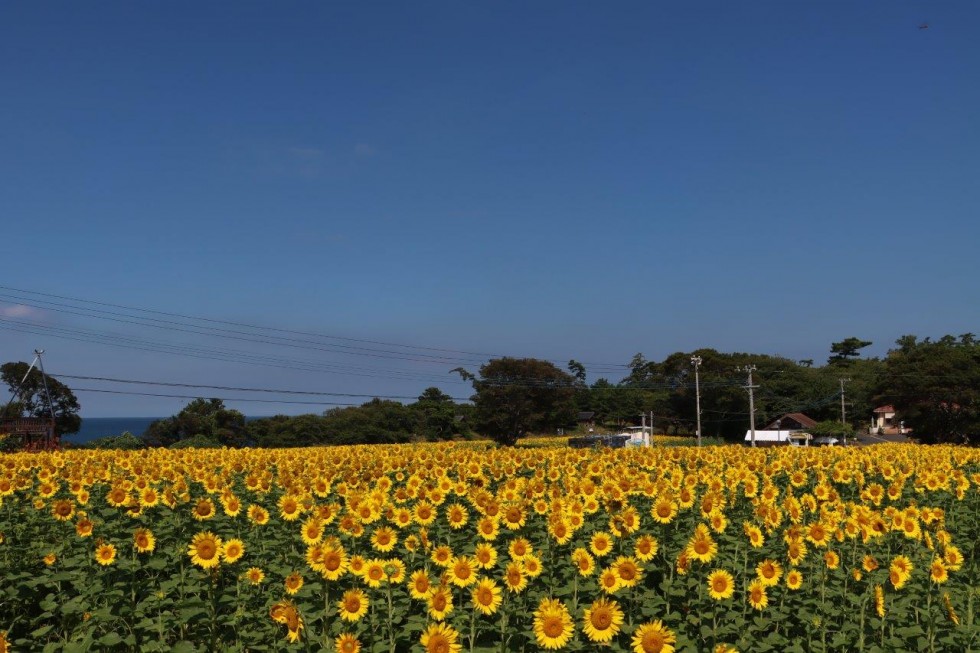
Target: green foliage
column 124, row 441
column 203, row 417
column 846, row 350
column 935, row 387
column 196, row 442
column 32, row 400
column 516, row 396
column 831, row 428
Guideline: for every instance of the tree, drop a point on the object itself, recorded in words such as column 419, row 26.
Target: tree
column 31, row 400
column 201, row 417
column 846, row 350
column 436, row 417
column 935, row 387
column 517, row 396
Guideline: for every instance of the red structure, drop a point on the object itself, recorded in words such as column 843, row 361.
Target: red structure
column 30, row 433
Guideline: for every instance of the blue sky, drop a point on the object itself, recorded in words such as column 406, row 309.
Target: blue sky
column 550, row 179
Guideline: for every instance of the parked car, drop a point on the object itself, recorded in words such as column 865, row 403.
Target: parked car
column 825, row 441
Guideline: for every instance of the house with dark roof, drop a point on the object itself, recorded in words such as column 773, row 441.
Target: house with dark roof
column 791, row 422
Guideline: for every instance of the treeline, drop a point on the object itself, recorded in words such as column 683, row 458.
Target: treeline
column 203, row 422
column 934, row 386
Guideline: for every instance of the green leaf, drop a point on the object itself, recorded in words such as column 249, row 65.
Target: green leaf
column 110, row 639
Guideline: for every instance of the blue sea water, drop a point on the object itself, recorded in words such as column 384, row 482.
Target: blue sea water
column 100, row 427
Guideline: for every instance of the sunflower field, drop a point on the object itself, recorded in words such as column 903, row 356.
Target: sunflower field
column 465, row 547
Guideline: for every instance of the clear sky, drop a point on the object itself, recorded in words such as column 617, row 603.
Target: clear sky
column 553, row 179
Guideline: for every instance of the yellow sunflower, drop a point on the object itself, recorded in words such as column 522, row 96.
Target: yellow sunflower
column 105, row 554
column 254, row 575
column 514, row 577
column 440, row 602
column 757, row 596
column 653, row 637
column 232, row 551
column 353, row 605
column 441, row 638
column 347, row 643
column 486, row 596
column 205, row 549
column 553, row 625
column 603, row 620
column 721, row 585
column 293, row 583
column 769, row 572
column 420, row 585
column 143, row 540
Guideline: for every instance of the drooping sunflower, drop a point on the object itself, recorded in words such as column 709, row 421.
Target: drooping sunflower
column 880, row 601
column 441, row 638
column 105, row 554
column 721, row 584
column 352, row 605
column 232, row 550
column 831, row 559
column 653, row 637
column 583, row 561
column 553, row 625
column 285, row 612
column 205, row 549
column 603, row 620
column 144, row 541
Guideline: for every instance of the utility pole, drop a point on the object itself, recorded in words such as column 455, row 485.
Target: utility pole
column 843, row 414
column 750, row 388
column 696, row 361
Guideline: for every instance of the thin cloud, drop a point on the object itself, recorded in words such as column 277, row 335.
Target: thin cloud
column 19, row 310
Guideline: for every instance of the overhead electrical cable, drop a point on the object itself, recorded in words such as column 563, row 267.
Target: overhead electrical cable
column 32, row 296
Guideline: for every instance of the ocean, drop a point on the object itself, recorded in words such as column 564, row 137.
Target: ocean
column 99, row 427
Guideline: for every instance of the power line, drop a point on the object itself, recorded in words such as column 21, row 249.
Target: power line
column 248, row 399
column 468, row 354
column 238, row 389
